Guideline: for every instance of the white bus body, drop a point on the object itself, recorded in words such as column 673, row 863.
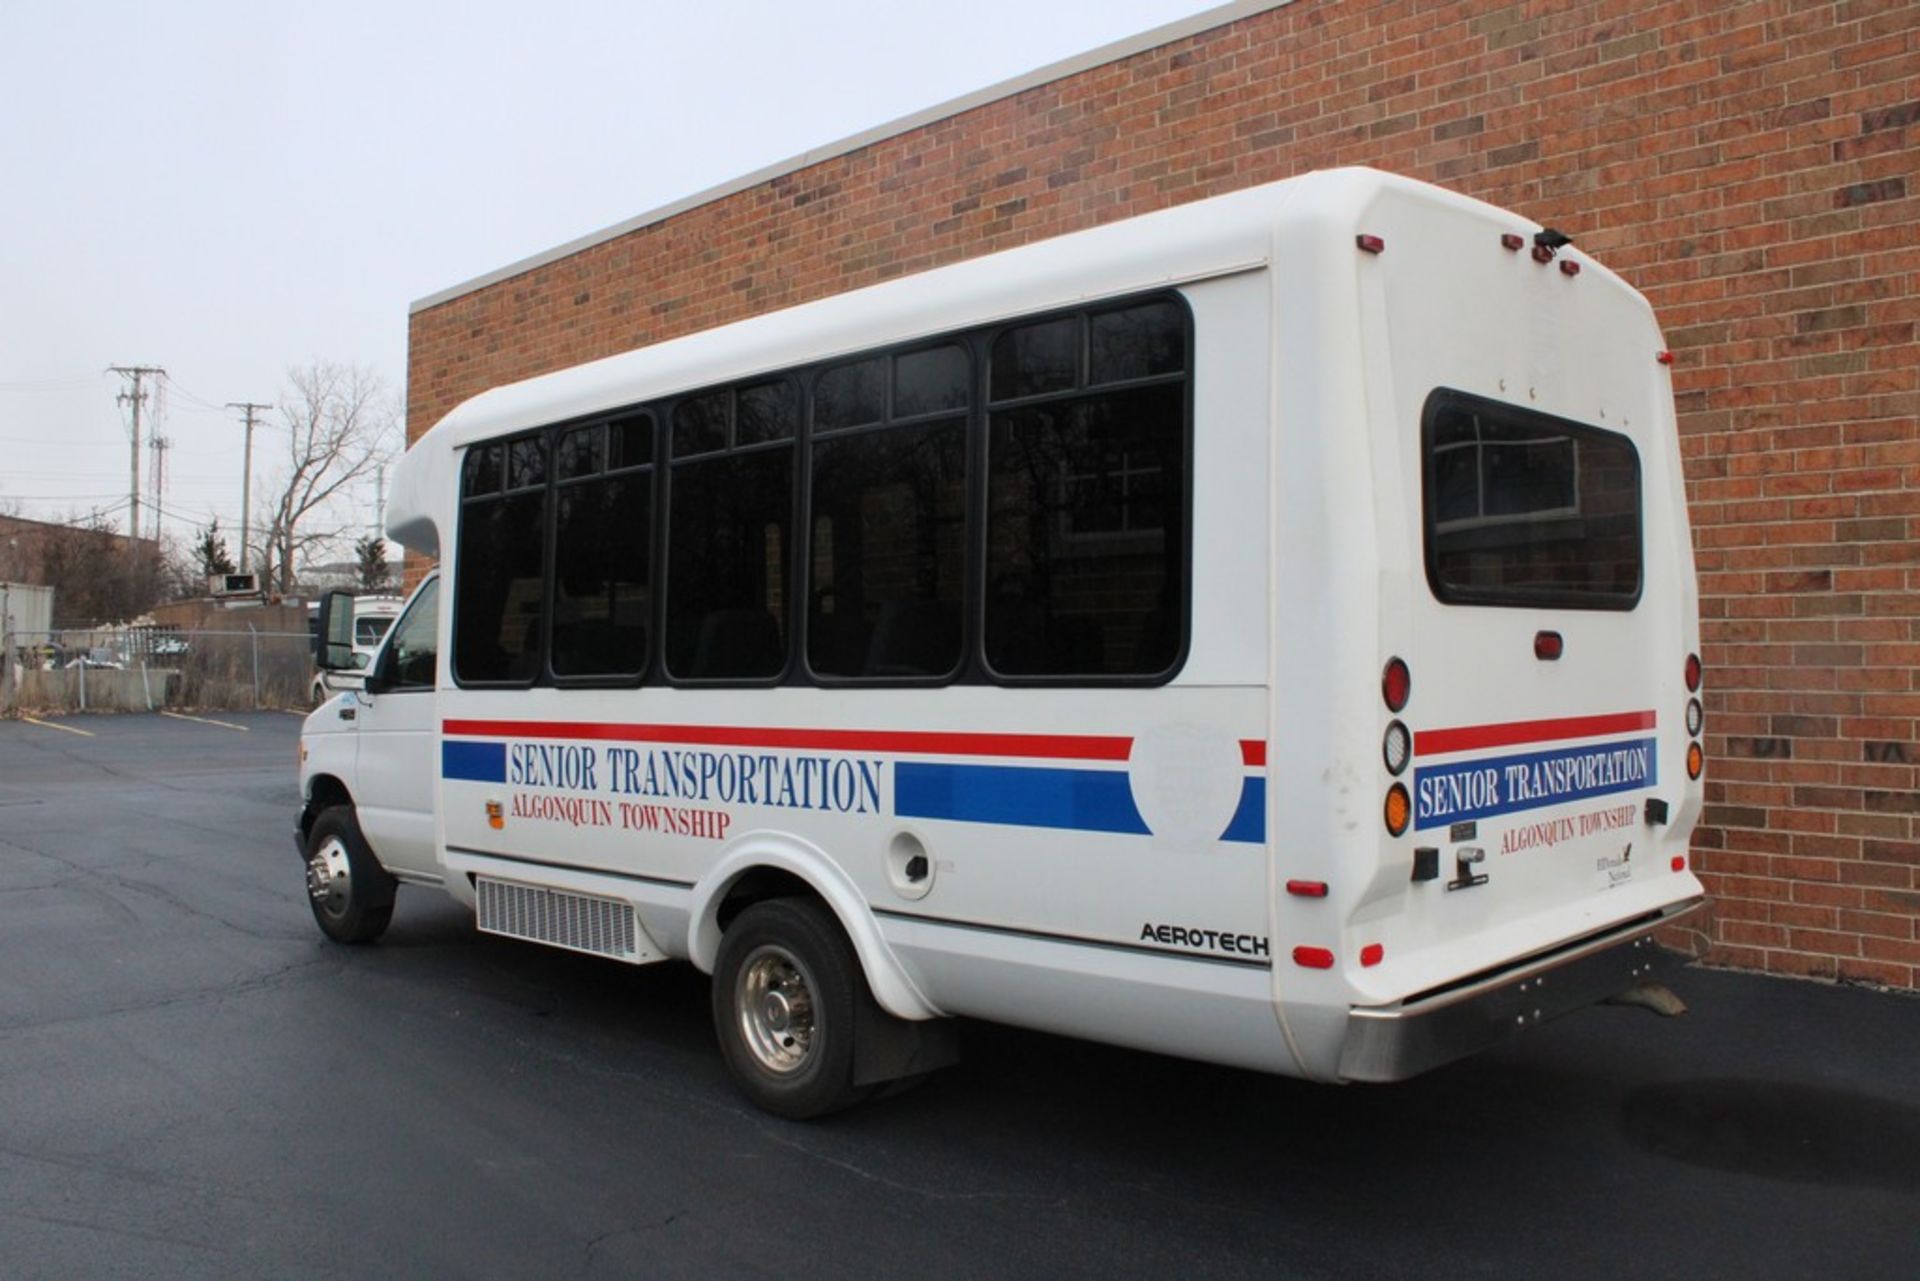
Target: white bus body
column 1403, row 407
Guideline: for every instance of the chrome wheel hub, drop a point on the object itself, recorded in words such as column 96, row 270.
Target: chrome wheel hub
column 775, row 1000
column 330, row 877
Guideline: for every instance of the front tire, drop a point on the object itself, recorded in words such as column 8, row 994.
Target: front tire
column 784, row 987
column 350, row 893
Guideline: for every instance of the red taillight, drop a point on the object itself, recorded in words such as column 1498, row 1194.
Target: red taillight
column 1313, row 958
column 1693, row 673
column 1664, row 357
column 1307, row 889
column 1547, row 646
column 1396, row 684
column 1372, row 954
column 1370, row 244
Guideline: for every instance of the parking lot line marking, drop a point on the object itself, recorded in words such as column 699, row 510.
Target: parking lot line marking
column 204, row 720
column 84, row 733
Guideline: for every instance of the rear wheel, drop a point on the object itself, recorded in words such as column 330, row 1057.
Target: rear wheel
column 784, row 987
column 351, row 894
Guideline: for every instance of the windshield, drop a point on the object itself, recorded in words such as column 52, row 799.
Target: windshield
column 368, row 631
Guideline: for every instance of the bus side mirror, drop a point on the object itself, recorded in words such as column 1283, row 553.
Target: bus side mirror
column 336, row 633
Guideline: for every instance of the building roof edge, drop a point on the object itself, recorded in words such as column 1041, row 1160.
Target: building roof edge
column 1126, row 47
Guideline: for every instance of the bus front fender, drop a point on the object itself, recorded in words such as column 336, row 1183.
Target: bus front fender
column 895, row 991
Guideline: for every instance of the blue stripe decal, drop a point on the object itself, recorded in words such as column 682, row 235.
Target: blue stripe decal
column 1250, row 820
column 1075, row 799
column 1067, row 799
column 475, row 762
column 1505, row 784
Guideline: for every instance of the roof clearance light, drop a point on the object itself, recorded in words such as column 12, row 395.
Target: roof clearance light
column 1693, row 673
column 1313, row 958
column 1568, row 267
column 1542, row 254
column 1398, row 810
column 1396, row 684
column 1548, row 646
column 1696, row 760
column 1397, row 749
column 1513, row 242
column 1370, row 244
column 1664, row 357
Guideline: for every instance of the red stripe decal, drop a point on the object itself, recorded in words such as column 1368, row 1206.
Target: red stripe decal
column 1467, row 738
column 1084, row 747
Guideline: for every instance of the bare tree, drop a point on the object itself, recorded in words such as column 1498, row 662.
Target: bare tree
column 340, row 422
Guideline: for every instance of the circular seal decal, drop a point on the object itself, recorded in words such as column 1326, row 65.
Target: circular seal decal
column 1186, row 781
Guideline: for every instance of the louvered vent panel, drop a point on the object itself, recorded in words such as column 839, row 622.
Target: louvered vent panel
column 581, row 922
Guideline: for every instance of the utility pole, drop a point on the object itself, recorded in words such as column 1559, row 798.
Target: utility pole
column 137, row 398
column 158, row 479
column 246, row 474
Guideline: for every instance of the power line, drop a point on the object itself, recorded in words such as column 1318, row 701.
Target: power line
column 198, row 402
column 53, row 384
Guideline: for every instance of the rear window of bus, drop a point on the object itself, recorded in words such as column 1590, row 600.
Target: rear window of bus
column 1526, row 509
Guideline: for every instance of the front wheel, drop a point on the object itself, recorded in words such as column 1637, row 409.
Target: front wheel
column 784, row 987
column 351, row 894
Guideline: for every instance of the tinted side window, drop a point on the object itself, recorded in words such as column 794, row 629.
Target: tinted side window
column 1086, row 496
column 1526, row 509
column 412, row 657
column 730, row 526
column 602, row 551
column 888, row 540
column 499, row 583
column 1032, row 360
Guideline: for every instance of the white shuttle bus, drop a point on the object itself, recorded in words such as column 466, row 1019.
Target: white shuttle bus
column 1262, row 631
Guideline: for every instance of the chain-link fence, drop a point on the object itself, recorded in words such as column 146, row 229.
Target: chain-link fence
column 150, row 668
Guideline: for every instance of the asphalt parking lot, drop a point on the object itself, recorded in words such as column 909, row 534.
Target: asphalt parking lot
column 194, row 1083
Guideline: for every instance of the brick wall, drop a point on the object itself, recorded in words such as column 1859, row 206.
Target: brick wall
column 1755, row 168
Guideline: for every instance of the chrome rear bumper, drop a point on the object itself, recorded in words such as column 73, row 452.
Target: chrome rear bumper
column 1392, row 1043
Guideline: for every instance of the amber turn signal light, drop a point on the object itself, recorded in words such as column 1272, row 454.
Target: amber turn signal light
column 1398, row 811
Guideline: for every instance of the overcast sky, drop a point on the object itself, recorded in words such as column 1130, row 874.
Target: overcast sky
column 226, row 190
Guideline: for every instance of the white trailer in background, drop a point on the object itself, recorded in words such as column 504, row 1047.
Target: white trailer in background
column 26, row 610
